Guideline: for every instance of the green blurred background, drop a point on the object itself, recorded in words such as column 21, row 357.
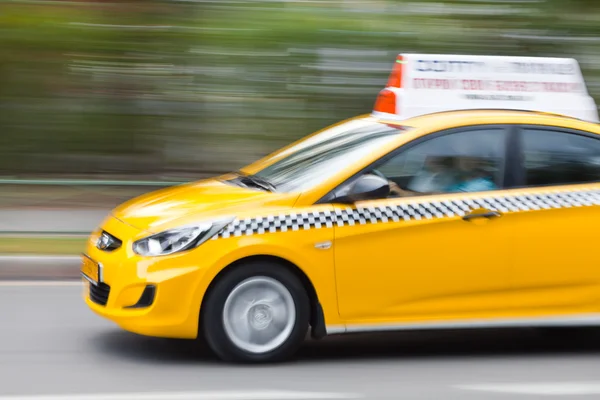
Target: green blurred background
column 154, row 89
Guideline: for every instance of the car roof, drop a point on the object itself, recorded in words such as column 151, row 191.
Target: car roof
column 457, row 118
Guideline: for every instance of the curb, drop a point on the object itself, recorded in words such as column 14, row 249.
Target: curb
column 39, row 267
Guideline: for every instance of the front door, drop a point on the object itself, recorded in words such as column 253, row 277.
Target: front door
column 438, row 252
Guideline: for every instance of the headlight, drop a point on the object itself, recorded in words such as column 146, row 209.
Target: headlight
column 178, row 239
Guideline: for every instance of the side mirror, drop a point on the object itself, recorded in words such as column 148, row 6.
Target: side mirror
column 367, row 187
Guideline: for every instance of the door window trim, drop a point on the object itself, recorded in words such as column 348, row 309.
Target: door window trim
column 512, row 158
column 519, row 166
column 509, row 131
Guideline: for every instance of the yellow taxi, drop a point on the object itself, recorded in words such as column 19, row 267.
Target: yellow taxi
column 438, row 210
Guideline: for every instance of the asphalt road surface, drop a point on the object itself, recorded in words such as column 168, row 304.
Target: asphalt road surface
column 50, row 221
column 53, row 347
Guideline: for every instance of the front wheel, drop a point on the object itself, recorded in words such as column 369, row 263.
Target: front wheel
column 258, row 312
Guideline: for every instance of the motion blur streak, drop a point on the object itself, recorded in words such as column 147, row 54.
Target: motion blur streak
column 71, row 352
column 159, row 91
column 548, row 388
column 217, row 395
column 186, row 88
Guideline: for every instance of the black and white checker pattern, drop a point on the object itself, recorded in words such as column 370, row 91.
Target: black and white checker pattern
column 278, row 223
column 416, row 210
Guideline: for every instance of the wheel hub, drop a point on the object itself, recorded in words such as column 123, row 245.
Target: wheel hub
column 260, row 316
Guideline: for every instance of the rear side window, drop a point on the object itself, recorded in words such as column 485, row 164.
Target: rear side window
column 559, row 158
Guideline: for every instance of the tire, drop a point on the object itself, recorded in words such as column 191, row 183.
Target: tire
column 258, row 312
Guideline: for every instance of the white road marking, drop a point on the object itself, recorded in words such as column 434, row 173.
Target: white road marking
column 40, row 283
column 208, row 395
column 538, row 388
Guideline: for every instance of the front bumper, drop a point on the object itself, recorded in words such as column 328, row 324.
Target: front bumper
column 170, row 310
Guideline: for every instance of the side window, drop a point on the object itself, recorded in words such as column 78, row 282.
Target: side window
column 559, row 158
column 466, row 161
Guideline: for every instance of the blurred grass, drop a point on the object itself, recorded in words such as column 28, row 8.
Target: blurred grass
column 50, row 197
column 42, row 245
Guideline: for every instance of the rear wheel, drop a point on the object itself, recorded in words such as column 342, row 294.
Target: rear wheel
column 257, row 312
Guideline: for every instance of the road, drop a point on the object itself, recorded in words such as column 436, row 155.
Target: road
column 52, row 345
column 50, row 221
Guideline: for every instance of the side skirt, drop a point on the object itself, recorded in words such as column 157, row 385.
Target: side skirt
column 559, row 321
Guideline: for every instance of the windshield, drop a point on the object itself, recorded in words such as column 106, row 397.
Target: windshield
column 324, row 155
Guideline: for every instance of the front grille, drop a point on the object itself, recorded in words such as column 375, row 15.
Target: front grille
column 99, row 293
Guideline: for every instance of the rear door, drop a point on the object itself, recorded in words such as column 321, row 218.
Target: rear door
column 557, row 267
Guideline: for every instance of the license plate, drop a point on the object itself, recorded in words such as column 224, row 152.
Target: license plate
column 90, row 269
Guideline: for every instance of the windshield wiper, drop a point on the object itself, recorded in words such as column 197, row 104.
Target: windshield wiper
column 260, row 182
column 256, row 181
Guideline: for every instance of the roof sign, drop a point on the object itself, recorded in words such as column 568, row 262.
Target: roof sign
column 426, row 83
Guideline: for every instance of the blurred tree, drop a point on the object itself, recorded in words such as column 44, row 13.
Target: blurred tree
column 157, row 86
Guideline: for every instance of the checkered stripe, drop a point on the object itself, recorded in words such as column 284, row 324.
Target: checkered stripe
column 278, row 223
column 415, row 210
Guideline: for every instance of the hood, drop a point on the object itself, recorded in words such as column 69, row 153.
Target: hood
column 180, row 205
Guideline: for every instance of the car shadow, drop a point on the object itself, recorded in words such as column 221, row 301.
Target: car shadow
column 123, row 344
column 454, row 344
column 392, row 346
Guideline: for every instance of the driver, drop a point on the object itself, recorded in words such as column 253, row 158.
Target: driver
column 468, row 175
column 474, row 176
column 437, row 174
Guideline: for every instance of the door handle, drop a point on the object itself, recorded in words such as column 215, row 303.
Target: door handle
column 487, row 214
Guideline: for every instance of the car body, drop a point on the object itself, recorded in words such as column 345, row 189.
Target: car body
column 317, row 218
